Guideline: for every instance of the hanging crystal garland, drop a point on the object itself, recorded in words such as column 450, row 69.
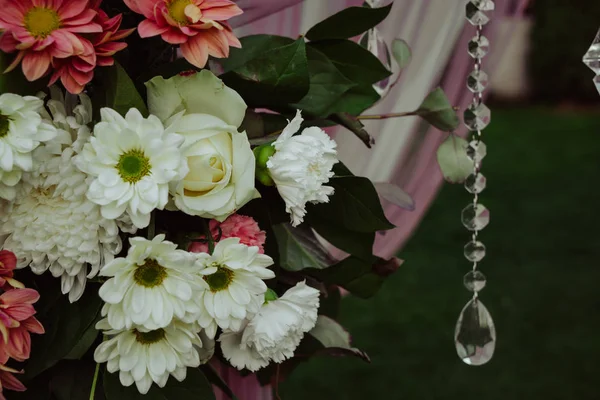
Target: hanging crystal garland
column 373, row 42
column 475, row 334
column 592, row 59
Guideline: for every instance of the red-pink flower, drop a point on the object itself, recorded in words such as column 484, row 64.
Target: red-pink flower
column 41, row 30
column 77, row 71
column 8, row 380
column 8, row 263
column 198, row 26
column 239, row 226
column 16, row 322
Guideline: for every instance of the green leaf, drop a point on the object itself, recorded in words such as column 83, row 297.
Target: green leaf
column 15, row 82
column 437, row 110
column 330, row 301
column 353, row 274
column 273, row 77
column 65, row 323
column 354, row 206
column 257, row 125
column 348, row 23
column 87, row 340
column 116, row 90
column 359, row 244
column 355, row 126
column 253, row 46
column 72, row 380
column 354, row 61
column 452, row 158
column 356, row 100
column 214, row 378
column 335, row 338
column 194, row 386
column 300, row 249
column 395, row 195
column 401, row 52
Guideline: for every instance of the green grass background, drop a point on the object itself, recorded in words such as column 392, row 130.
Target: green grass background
column 543, row 270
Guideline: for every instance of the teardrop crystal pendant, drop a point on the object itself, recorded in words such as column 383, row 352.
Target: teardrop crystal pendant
column 372, row 41
column 475, row 334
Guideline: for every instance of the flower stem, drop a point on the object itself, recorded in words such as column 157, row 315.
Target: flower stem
column 211, row 240
column 152, row 226
column 386, row 116
column 95, row 381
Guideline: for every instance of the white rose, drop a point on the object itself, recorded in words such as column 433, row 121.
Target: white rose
column 275, row 331
column 221, row 163
column 300, row 167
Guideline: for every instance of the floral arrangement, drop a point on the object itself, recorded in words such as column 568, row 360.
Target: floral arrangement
column 170, row 199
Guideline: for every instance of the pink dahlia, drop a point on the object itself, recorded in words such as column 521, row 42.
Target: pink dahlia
column 8, row 263
column 198, row 26
column 40, row 30
column 239, row 226
column 16, row 322
column 77, row 71
column 8, row 381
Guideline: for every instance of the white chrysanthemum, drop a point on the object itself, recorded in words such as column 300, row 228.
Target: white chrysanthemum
column 143, row 356
column 153, row 285
column 51, row 224
column 234, row 274
column 132, row 159
column 301, row 166
column 275, row 331
column 22, row 129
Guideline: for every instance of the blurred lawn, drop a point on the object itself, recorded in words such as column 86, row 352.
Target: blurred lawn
column 543, row 242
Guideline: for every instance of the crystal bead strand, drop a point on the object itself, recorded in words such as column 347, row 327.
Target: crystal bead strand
column 592, row 59
column 475, row 334
column 373, row 42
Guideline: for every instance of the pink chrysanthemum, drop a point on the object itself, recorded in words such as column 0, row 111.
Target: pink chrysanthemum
column 8, row 380
column 239, row 226
column 8, row 263
column 198, row 26
column 77, row 71
column 16, row 322
column 41, row 30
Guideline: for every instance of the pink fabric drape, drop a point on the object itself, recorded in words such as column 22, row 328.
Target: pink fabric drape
column 418, row 172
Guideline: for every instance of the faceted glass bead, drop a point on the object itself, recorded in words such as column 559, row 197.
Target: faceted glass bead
column 474, row 281
column 474, row 251
column 475, row 217
column 475, row 334
column 377, row 3
column 592, row 57
column 477, row 81
column 477, row 117
column 479, row 46
column 372, row 41
column 484, row 5
column 475, row 11
column 475, row 183
column 597, row 82
column 476, row 150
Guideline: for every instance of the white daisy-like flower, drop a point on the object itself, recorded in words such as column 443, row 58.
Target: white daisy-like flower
column 51, row 225
column 142, row 356
column 300, row 167
column 234, row 274
column 132, row 159
column 22, row 129
column 150, row 287
column 275, row 331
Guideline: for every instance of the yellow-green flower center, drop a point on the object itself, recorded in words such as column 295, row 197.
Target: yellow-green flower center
column 177, row 10
column 150, row 274
column 220, row 280
column 133, row 166
column 4, row 125
column 149, row 337
column 41, row 22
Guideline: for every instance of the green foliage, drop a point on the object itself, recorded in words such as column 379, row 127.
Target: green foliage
column 299, row 248
column 348, row 23
column 335, row 338
column 72, row 380
column 14, row 81
column 437, row 110
column 401, row 52
column 115, row 89
column 195, row 386
column 452, row 158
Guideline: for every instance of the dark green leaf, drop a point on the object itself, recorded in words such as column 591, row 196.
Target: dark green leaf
column 15, row 82
column 87, row 340
column 359, row 244
column 330, row 301
column 273, row 77
column 335, row 338
column 395, row 195
column 452, row 158
column 356, row 100
column 72, row 380
column 354, row 61
column 214, row 378
column 348, row 23
column 354, row 125
column 300, row 249
column 257, row 125
column 117, row 91
column 437, row 110
column 401, row 52
column 194, row 386
column 354, row 206
column 253, row 46
column 65, row 324
column 340, row 170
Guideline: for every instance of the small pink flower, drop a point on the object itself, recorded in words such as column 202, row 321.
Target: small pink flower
column 16, row 322
column 239, row 226
column 8, row 263
column 198, row 26
column 77, row 71
column 8, row 381
column 40, row 30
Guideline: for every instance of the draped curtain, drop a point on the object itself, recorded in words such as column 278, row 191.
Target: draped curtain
column 405, row 148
